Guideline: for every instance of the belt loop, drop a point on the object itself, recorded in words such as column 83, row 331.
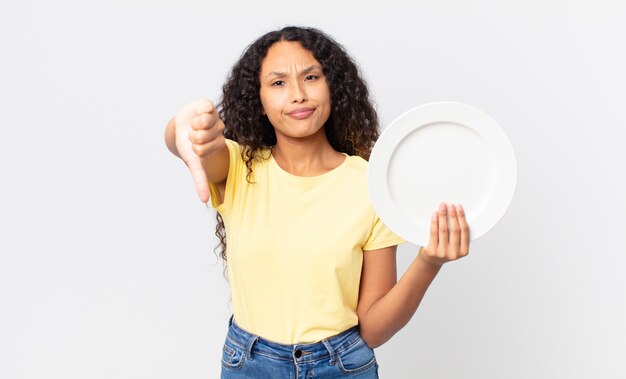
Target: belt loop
column 230, row 320
column 330, row 350
column 249, row 346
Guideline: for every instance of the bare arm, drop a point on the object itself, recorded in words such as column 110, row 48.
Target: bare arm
column 386, row 306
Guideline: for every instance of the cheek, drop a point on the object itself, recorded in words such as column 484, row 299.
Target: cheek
column 271, row 112
column 269, row 104
column 268, row 110
column 263, row 102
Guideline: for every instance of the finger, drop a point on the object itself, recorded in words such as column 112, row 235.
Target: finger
column 203, row 122
column 434, row 232
column 465, row 236
column 188, row 112
column 205, row 106
column 443, row 230
column 200, row 137
column 205, row 142
column 201, row 150
column 192, row 136
column 455, row 233
column 200, row 180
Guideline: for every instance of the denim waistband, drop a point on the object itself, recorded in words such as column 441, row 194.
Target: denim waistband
column 300, row 353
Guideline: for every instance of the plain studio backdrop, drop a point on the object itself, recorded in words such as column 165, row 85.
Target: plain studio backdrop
column 107, row 267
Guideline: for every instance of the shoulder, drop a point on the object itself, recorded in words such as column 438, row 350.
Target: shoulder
column 238, row 151
column 356, row 168
column 352, row 178
column 233, row 146
column 357, row 163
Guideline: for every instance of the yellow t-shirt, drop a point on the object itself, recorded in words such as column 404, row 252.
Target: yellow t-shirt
column 295, row 246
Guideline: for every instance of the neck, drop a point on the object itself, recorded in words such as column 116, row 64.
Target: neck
column 308, row 156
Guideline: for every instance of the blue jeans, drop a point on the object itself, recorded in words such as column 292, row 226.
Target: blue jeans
column 344, row 355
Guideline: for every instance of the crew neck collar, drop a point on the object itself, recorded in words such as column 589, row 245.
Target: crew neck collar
column 309, row 179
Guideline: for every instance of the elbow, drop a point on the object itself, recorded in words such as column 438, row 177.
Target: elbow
column 370, row 336
column 372, row 341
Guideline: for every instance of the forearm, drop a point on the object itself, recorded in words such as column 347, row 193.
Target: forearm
column 394, row 310
column 170, row 137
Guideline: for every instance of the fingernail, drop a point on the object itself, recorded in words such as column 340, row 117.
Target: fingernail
column 450, row 208
column 442, row 207
column 459, row 208
column 434, row 216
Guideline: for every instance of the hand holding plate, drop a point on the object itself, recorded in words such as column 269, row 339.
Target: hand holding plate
column 447, row 243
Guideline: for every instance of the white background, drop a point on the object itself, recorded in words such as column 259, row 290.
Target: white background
column 106, row 262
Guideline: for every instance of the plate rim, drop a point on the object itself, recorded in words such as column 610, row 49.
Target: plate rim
column 445, row 111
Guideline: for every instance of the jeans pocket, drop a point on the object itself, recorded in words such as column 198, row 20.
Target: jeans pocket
column 356, row 358
column 232, row 355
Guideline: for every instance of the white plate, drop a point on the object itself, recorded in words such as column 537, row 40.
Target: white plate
column 441, row 152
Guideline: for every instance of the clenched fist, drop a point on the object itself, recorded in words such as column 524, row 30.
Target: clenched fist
column 199, row 133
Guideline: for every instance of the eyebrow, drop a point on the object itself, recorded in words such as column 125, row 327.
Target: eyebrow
column 304, row 71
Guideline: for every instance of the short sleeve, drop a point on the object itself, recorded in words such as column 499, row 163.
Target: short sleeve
column 235, row 168
column 381, row 236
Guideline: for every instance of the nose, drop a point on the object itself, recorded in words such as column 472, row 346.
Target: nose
column 298, row 94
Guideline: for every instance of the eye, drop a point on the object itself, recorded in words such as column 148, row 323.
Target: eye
column 311, row 77
column 278, row 83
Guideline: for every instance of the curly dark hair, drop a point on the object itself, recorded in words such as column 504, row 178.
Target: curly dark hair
column 352, row 127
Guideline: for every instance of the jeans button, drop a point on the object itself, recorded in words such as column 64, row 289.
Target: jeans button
column 298, row 353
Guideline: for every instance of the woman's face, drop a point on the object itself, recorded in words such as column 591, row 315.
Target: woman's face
column 294, row 92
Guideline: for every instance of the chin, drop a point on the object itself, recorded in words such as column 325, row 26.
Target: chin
column 303, row 132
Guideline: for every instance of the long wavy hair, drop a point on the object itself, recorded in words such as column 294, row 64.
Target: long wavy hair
column 352, row 127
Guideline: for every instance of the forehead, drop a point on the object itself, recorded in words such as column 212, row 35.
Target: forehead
column 285, row 56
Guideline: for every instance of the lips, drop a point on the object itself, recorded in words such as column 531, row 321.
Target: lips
column 301, row 113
